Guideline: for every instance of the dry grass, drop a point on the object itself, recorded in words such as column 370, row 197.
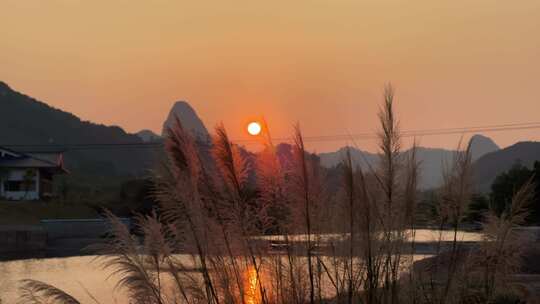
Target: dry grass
column 215, row 205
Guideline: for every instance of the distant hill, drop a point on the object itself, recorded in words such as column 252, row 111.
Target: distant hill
column 432, row 160
column 26, row 121
column 361, row 158
column 148, row 136
column 487, row 167
column 189, row 118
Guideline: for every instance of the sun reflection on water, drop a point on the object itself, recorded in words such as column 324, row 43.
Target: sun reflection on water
column 251, row 287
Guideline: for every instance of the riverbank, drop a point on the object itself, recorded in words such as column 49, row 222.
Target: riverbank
column 53, row 238
column 75, row 275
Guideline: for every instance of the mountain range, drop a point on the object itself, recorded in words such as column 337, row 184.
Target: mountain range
column 26, row 123
column 490, row 165
column 433, row 161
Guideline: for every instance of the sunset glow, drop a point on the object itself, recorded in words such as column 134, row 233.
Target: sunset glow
column 306, row 61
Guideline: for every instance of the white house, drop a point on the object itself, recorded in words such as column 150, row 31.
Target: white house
column 28, row 175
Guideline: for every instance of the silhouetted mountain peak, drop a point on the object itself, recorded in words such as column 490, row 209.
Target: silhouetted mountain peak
column 183, row 105
column 482, row 145
column 189, row 119
column 4, row 87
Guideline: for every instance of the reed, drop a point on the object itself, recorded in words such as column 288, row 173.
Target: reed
column 208, row 242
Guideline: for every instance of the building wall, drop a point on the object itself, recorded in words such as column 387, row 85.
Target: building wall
column 18, row 175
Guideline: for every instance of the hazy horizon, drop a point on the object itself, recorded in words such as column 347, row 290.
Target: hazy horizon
column 321, row 63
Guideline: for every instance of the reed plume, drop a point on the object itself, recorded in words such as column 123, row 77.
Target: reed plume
column 37, row 292
column 502, row 248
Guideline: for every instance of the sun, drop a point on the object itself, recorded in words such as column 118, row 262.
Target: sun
column 254, row 128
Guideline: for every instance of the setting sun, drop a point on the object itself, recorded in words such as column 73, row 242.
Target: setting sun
column 254, row 128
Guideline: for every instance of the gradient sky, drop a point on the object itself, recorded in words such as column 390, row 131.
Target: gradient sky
column 320, row 62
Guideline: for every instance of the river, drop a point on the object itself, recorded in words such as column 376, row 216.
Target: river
column 83, row 275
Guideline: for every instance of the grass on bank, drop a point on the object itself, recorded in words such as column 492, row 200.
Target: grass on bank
column 31, row 212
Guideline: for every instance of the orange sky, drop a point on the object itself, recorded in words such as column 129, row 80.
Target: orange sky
column 320, row 62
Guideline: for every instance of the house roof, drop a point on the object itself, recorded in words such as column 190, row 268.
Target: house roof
column 49, row 160
column 5, row 152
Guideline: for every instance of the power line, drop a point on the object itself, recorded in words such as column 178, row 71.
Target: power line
column 88, row 146
column 415, row 133
column 320, row 138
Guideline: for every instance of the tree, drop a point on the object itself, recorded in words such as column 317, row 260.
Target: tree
column 507, row 183
column 477, row 208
